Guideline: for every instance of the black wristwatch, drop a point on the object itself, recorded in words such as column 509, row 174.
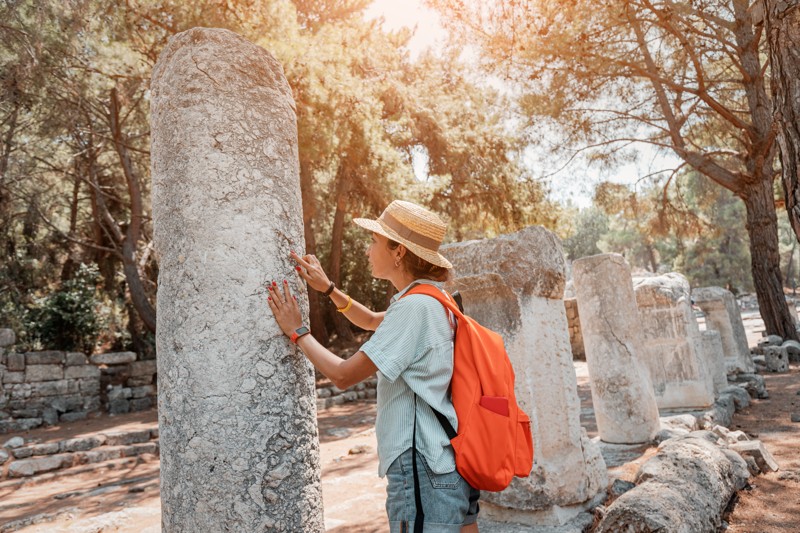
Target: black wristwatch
column 330, row 289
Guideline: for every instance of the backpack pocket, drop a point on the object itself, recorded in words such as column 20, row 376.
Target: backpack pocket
column 523, row 454
column 484, row 453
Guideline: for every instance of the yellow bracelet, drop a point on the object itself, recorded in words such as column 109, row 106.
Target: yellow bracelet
column 347, row 307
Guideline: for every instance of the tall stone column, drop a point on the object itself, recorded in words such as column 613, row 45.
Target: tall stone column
column 723, row 315
column 622, row 394
column 715, row 359
column 672, row 347
column 237, row 414
column 514, row 284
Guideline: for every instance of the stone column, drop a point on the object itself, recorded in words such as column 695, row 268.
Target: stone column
column 715, row 359
column 672, row 347
column 237, row 413
column 723, row 315
column 622, row 394
column 514, row 284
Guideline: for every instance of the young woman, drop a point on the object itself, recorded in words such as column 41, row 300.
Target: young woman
column 412, row 351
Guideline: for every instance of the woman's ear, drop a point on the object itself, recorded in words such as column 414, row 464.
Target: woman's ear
column 401, row 251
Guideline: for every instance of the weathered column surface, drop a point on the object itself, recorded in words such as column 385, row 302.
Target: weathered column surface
column 514, row 284
column 723, row 315
column 237, row 416
column 715, row 359
column 672, row 344
column 622, row 394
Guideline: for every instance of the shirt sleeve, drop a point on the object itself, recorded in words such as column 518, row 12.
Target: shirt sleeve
column 396, row 342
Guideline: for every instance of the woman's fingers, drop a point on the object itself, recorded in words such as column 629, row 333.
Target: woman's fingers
column 302, row 260
column 275, row 293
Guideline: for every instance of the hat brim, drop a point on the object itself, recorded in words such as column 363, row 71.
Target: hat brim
column 430, row 256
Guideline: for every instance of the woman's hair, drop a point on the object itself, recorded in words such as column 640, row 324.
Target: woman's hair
column 419, row 268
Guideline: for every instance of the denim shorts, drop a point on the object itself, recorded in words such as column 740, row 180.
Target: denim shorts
column 448, row 501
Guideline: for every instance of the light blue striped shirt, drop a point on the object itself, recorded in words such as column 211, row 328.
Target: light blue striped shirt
column 413, row 350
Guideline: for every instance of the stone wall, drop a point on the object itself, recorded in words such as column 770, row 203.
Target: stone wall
column 574, row 325
column 45, row 388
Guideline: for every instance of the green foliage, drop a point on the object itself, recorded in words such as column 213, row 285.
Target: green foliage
column 591, row 225
column 68, row 318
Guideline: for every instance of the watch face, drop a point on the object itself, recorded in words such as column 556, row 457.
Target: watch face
column 301, row 330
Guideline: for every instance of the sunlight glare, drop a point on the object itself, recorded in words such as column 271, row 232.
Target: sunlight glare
column 410, row 14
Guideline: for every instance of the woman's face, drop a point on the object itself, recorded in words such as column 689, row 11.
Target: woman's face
column 381, row 257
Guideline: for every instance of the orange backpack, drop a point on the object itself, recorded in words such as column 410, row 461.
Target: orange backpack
column 494, row 442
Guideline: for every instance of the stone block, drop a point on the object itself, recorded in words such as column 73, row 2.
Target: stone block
column 34, row 373
column 793, row 350
column 139, row 381
column 15, row 362
column 113, row 358
column 139, row 449
column 118, row 407
column 777, row 358
column 142, row 404
column 84, row 371
column 4, row 455
column 30, row 467
column 76, row 359
column 119, row 393
column 25, row 413
column 756, row 450
column 723, row 315
column 125, row 438
column 91, row 403
column 81, row 444
column 53, row 388
column 13, row 377
column 89, row 386
column 106, row 453
column 14, row 442
column 22, row 453
column 7, row 337
column 49, row 416
column 47, row 448
column 44, row 358
column 141, row 392
column 66, row 403
column 73, row 416
column 142, row 368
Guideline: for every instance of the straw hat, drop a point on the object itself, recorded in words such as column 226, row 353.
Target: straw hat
column 413, row 226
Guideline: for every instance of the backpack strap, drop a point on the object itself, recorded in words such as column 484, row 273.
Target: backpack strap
column 419, row 519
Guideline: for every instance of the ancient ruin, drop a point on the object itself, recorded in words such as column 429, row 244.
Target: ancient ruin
column 672, row 347
column 236, row 401
column 622, row 393
column 514, row 284
column 723, row 315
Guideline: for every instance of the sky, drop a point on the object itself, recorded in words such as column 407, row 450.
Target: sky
column 575, row 183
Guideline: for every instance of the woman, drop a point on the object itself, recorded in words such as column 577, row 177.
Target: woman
column 412, row 351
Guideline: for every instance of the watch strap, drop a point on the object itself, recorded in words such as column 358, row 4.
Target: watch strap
column 299, row 332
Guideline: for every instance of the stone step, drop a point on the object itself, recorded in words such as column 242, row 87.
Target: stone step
column 38, row 458
column 38, row 465
column 113, row 464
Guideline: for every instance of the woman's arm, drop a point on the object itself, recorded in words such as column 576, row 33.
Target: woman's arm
column 358, row 314
column 343, row 373
column 310, row 269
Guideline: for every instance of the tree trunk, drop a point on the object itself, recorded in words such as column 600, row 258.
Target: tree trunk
column 129, row 264
column 315, row 316
column 69, row 265
column 762, row 228
column 337, row 235
column 782, row 21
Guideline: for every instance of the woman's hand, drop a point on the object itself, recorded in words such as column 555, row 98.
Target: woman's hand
column 309, row 268
column 284, row 307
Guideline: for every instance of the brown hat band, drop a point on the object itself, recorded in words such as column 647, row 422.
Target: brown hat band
column 409, row 234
